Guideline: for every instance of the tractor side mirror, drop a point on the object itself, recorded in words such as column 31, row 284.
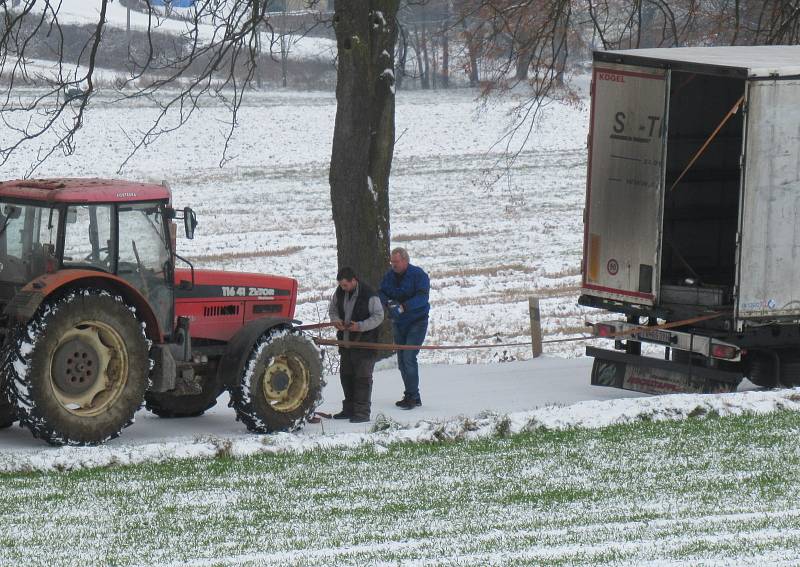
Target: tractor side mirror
column 189, row 222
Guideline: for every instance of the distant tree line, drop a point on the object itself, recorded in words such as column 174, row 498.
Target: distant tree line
column 500, row 43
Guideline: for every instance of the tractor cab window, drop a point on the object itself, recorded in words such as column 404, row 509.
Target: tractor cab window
column 27, row 241
column 144, row 256
column 143, row 244
column 88, row 238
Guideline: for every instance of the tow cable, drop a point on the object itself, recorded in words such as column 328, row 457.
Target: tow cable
column 318, row 415
column 395, row 347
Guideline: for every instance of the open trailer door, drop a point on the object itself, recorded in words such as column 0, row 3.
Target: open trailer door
column 769, row 263
column 624, row 201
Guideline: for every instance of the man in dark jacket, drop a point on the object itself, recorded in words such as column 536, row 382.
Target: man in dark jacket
column 404, row 290
column 356, row 312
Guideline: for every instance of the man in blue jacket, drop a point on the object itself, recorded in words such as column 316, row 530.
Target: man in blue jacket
column 404, row 290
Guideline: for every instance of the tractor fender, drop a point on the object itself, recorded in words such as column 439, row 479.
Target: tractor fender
column 241, row 344
column 27, row 301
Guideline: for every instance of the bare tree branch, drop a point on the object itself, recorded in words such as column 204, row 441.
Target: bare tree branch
column 215, row 55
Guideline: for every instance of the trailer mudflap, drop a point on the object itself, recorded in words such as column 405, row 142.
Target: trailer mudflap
column 654, row 376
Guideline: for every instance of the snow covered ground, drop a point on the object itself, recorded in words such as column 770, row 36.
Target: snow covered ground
column 449, row 391
column 552, row 393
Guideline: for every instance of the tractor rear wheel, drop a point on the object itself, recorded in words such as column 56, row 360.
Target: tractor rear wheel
column 168, row 405
column 78, row 370
column 281, row 384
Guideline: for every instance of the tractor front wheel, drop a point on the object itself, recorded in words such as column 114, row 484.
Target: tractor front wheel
column 281, row 384
column 78, row 370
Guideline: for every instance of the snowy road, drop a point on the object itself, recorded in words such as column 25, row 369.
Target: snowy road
column 447, row 390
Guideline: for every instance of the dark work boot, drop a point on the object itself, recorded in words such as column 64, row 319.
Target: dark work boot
column 359, row 419
column 347, row 410
column 410, row 403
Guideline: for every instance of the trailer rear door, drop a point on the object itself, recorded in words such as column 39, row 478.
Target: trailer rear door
column 769, row 261
column 625, row 182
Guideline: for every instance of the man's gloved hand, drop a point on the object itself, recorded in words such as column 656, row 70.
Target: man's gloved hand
column 395, row 309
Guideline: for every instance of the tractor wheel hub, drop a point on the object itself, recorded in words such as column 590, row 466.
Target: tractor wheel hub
column 280, row 381
column 75, row 366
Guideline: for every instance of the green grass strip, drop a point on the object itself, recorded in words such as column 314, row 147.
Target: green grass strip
column 699, row 491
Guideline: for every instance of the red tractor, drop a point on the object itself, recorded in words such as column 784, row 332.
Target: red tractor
column 97, row 319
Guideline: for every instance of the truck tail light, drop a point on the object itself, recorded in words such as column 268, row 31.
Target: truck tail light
column 604, row 330
column 724, row 351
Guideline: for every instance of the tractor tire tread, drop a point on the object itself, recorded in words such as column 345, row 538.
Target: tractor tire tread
column 244, row 400
column 34, row 400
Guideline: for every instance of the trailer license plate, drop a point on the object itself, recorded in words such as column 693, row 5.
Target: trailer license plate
column 656, row 336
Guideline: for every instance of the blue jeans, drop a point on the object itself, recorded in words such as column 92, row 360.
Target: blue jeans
column 413, row 334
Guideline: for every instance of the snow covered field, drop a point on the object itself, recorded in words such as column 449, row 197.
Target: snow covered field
column 268, row 210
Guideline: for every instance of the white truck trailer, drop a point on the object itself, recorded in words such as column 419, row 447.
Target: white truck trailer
column 692, row 218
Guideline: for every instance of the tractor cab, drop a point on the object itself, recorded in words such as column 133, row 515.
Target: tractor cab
column 28, row 240
column 119, row 228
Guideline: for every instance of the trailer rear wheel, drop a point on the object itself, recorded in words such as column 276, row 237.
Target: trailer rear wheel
column 790, row 368
column 761, row 371
column 281, row 384
column 79, row 369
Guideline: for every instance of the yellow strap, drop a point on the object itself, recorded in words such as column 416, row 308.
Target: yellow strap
column 734, row 109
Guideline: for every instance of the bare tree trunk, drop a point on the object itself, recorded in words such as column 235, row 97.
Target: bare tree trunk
column 561, row 61
column 445, row 57
column 418, row 54
column 473, row 56
column 284, row 67
column 424, row 66
column 434, row 62
column 561, row 53
column 524, row 59
column 257, row 40
column 285, row 45
column 363, row 137
column 402, row 56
